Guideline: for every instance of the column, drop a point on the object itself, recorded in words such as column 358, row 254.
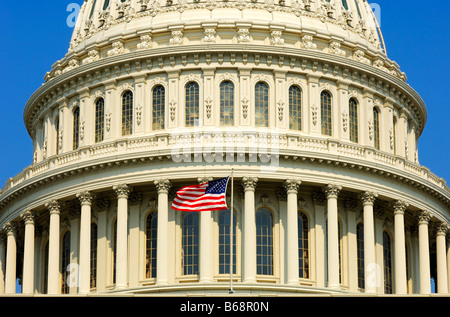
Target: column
column 206, row 246
column 28, row 255
column 135, row 201
column 424, row 252
column 103, row 205
column 54, row 208
column 2, row 262
column 399, row 249
column 86, row 199
column 370, row 267
column 249, row 250
column 442, row 282
column 332, row 192
column 11, row 257
column 162, row 257
column 122, row 192
column 292, row 186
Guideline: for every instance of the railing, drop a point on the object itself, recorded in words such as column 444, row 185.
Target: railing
column 257, row 142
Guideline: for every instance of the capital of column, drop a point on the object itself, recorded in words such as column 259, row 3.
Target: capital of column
column 332, row 190
column 292, row 185
column 368, row 198
column 441, row 228
column 54, row 206
column 163, row 185
column 122, row 190
column 249, row 183
column 28, row 216
column 423, row 217
column 86, row 197
column 10, row 228
column 399, row 206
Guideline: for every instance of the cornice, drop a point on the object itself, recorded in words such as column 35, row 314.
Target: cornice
column 292, row 60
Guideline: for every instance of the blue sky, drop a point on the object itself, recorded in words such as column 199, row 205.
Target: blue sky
column 35, row 34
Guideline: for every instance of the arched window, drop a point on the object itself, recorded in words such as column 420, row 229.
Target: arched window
column 127, row 113
column 92, row 9
column 93, row 255
column 226, row 103
column 114, row 251
column 360, row 254
column 99, row 120
column 376, row 128
column 45, row 288
column 151, row 244
column 303, row 245
column 345, row 4
column 106, row 4
column 387, row 256
column 224, row 241
column 358, row 9
column 295, row 108
column 264, row 242
column 394, row 135
column 65, row 262
column 190, row 242
column 192, row 105
column 76, row 128
column 261, row 105
column 325, row 110
column 353, row 120
column 159, row 108
column 57, row 135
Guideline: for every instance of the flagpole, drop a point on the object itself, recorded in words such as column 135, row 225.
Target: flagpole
column 231, row 234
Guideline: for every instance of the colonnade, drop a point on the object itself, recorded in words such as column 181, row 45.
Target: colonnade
column 8, row 243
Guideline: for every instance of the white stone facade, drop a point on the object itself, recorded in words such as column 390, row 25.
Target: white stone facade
column 137, row 58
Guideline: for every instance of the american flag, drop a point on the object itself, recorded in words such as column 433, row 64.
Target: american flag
column 209, row 196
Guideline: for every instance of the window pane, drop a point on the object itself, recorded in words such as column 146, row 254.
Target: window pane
column 192, row 105
column 190, row 242
column 76, row 128
column 227, row 104
column 353, row 109
column 360, row 254
column 376, row 128
column 99, row 120
column 295, row 108
column 264, row 242
column 127, row 113
column 224, row 242
column 387, row 263
column 303, row 246
column 159, row 109
column 261, row 105
column 152, row 235
column 93, row 254
column 325, row 107
column 65, row 261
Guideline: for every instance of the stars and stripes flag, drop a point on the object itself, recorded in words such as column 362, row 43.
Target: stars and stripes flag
column 209, row 196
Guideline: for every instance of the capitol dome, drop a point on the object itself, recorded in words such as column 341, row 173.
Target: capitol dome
column 296, row 101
